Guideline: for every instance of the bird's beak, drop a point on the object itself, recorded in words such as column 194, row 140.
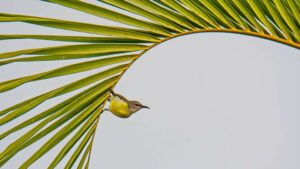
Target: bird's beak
column 143, row 106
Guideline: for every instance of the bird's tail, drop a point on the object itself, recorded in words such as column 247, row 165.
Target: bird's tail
column 112, row 92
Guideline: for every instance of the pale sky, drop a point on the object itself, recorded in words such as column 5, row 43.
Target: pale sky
column 218, row 101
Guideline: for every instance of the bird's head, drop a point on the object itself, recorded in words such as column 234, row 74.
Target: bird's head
column 135, row 106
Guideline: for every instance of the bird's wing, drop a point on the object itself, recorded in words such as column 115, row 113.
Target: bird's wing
column 121, row 97
column 118, row 95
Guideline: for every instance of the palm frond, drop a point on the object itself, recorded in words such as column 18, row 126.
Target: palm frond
column 114, row 49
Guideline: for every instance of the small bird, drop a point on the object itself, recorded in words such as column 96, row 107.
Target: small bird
column 122, row 107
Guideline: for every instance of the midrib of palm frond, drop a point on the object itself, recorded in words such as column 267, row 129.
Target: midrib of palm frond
column 276, row 20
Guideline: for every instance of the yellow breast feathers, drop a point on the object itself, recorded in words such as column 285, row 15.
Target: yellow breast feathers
column 119, row 107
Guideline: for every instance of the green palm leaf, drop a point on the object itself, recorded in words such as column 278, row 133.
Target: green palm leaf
column 114, row 49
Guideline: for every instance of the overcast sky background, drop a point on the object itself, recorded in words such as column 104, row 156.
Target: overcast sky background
column 218, row 101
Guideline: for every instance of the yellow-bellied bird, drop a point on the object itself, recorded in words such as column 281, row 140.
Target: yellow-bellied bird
column 122, row 107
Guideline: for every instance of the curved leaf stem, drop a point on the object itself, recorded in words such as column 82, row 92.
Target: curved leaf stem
column 256, row 34
column 249, row 33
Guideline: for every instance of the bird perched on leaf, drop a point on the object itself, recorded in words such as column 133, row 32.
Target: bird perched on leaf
column 122, row 107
